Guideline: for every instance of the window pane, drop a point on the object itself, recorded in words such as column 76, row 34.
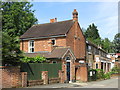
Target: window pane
column 53, row 42
column 32, row 43
column 32, row 49
column 31, row 46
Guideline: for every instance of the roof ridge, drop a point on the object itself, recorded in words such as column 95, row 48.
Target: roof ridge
column 52, row 23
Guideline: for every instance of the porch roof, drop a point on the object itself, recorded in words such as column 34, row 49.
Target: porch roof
column 57, row 52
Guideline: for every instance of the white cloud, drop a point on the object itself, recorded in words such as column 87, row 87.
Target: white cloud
column 106, row 19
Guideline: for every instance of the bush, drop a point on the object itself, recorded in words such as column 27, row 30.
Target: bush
column 116, row 69
column 37, row 59
column 100, row 74
column 107, row 75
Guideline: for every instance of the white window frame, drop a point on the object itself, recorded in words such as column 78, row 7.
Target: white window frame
column 31, row 46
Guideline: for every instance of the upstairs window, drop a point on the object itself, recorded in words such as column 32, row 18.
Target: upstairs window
column 53, row 42
column 31, row 46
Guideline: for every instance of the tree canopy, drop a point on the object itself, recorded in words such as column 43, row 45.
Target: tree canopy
column 92, row 34
column 116, row 43
column 17, row 17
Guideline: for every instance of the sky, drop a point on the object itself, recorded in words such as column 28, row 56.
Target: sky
column 103, row 14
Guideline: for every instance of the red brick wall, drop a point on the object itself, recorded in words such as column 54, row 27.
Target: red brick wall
column 81, row 73
column 24, row 46
column 42, row 44
column 76, row 41
column 11, row 77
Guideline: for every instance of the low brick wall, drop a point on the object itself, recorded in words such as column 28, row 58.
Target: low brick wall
column 35, row 82
column 11, row 77
column 116, row 74
column 54, row 80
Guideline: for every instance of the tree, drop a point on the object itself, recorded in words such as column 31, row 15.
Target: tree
column 17, row 17
column 116, row 43
column 92, row 35
column 10, row 50
column 107, row 45
column 92, row 32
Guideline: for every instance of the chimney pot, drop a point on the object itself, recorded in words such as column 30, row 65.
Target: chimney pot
column 53, row 20
column 75, row 15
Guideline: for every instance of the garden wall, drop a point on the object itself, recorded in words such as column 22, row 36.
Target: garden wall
column 11, row 77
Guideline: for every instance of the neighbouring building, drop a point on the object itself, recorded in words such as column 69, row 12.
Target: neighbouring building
column 97, row 57
column 59, row 42
column 114, row 59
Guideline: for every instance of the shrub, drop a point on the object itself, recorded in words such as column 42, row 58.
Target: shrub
column 100, row 74
column 116, row 69
column 37, row 59
column 107, row 75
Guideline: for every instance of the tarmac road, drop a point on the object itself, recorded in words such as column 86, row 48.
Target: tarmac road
column 109, row 83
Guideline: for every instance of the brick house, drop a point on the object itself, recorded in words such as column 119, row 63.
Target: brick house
column 114, row 59
column 97, row 57
column 59, row 42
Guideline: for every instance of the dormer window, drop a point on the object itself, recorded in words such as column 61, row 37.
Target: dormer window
column 31, row 46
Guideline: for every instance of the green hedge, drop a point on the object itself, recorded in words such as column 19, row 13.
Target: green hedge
column 100, row 74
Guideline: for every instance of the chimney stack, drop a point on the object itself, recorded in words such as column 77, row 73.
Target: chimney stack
column 53, row 20
column 75, row 15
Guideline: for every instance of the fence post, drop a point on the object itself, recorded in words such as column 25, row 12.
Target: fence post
column 61, row 76
column 45, row 77
column 24, row 79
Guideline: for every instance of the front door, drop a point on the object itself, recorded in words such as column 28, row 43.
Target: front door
column 68, row 71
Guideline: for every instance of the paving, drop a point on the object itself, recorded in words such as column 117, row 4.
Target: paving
column 109, row 83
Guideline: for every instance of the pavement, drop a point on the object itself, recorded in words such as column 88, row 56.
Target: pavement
column 109, row 83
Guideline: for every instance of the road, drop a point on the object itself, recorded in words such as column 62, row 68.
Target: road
column 109, row 83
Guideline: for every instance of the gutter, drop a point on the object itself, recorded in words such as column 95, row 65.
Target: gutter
column 44, row 37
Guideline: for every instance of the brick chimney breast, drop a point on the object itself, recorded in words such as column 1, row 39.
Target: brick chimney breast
column 75, row 15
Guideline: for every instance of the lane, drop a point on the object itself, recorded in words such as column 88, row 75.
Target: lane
column 110, row 83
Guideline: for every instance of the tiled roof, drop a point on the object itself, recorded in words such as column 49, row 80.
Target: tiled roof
column 56, row 53
column 48, row 29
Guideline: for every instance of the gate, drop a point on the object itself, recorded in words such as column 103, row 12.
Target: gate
column 34, row 70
